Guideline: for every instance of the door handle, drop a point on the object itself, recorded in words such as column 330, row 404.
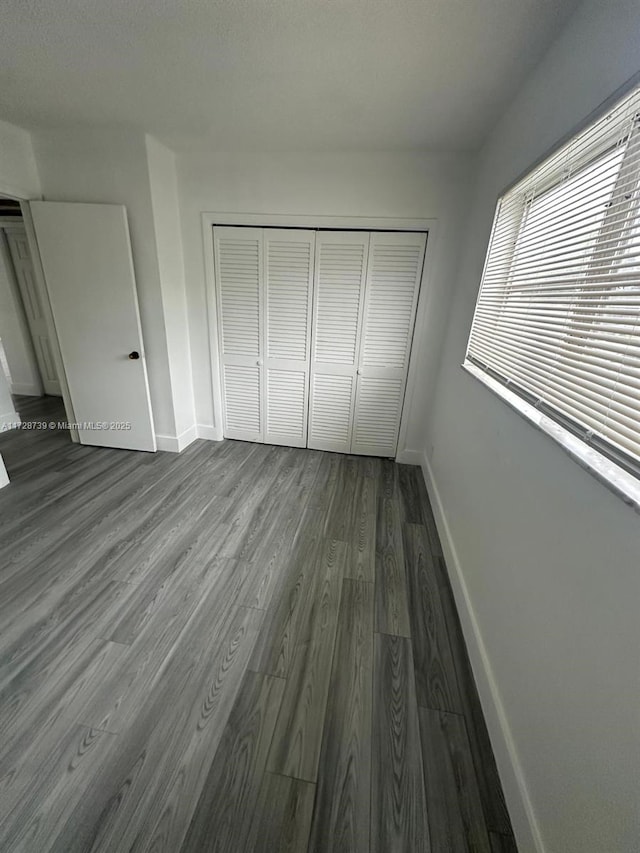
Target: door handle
column 259, row 362
column 134, row 355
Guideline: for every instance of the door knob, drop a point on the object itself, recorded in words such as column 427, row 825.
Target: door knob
column 134, row 355
column 259, row 362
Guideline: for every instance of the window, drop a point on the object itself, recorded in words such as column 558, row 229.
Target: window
column 558, row 315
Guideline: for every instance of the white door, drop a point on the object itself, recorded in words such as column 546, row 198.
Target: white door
column 340, row 270
column 391, row 296
column 32, row 301
column 86, row 257
column 239, row 272
column 288, row 282
column 264, row 279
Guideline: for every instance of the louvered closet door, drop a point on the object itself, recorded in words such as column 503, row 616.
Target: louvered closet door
column 340, row 270
column 239, row 274
column 391, row 296
column 288, row 277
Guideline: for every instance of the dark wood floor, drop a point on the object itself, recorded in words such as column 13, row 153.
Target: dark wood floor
column 238, row 648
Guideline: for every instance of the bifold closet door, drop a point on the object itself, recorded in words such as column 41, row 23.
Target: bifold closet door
column 394, row 271
column 366, row 293
column 329, row 375
column 340, row 272
column 264, row 281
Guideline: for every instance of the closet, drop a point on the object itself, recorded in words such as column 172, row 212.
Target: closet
column 314, row 332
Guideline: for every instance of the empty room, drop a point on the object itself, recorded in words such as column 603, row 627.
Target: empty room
column 320, row 426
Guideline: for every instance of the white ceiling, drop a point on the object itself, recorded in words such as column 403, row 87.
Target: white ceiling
column 273, row 74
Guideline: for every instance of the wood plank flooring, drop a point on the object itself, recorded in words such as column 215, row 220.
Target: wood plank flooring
column 238, row 648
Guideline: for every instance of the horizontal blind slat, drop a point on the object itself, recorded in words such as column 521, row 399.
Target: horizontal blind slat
column 558, row 313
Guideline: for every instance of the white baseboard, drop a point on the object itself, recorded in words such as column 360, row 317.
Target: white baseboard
column 167, row 442
column 187, row 437
column 177, row 443
column 10, row 420
column 25, row 389
column 525, row 825
column 210, row 433
column 409, row 457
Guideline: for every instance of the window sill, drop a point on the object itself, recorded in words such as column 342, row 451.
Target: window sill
column 619, row 481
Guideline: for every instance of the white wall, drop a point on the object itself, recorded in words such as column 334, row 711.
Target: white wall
column 111, row 167
column 14, row 332
column 341, row 184
column 18, row 173
column 166, row 217
column 550, row 558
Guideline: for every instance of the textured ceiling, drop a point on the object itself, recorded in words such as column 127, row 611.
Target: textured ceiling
column 273, row 74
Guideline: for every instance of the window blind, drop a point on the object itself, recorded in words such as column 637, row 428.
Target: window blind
column 558, row 313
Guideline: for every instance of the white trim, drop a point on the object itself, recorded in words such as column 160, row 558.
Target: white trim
column 212, row 319
column 26, row 389
column 168, row 443
column 209, row 433
column 187, row 437
column 516, row 793
column 293, row 220
column 9, row 420
column 409, row 457
column 177, row 443
column 355, row 223
column 419, row 335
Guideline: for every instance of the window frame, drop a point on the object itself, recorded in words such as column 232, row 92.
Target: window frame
column 609, row 463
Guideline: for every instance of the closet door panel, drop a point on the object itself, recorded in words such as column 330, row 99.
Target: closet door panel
column 393, row 283
column 392, row 288
column 331, row 416
column 341, row 264
column 286, row 396
column 377, row 414
column 239, row 273
column 288, row 279
column 242, row 402
column 288, row 285
column 341, row 259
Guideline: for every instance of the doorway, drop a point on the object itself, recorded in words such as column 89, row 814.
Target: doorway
column 28, row 373
column 73, row 282
column 26, row 346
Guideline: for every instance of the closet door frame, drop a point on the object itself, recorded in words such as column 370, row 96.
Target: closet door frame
column 209, row 219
